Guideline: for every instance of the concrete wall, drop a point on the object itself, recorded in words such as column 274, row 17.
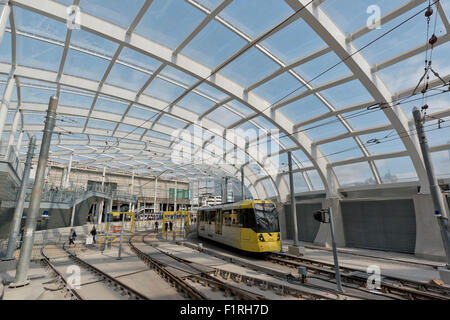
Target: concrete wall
column 59, row 216
column 428, row 240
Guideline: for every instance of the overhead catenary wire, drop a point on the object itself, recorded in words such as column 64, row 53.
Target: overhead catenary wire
column 308, row 82
column 223, row 65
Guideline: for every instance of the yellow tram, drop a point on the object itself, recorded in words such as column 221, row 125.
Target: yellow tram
column 249, row 225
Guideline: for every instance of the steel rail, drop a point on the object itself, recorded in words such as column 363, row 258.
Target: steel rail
column 126, row 290
column 160, row 268
column 406, row 288
column 60, row 278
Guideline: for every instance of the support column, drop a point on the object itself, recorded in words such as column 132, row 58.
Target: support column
column 175, row 197
column 12, row 134
column 72, row 218
column 436, row 196
column 154, row 200
column 19, row 141
column 18, row 212
column 5, row 10
column 103, row 178
column 292, row 199
column 332, row 201
column 36, row 195
column 6, row 96
column 69, row 168
column 242, row 183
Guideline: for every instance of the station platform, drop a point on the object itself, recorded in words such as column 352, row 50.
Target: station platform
column 393, row 264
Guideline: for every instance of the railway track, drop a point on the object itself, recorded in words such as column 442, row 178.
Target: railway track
column 407, row 289
column 207, row 279
column 182, row 283
column 109, row 281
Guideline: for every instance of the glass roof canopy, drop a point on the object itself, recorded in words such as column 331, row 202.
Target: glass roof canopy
column 198, row 88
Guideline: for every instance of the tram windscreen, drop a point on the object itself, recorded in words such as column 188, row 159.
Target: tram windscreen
column 266, row 218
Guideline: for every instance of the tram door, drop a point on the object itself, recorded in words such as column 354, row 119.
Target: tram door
column 219, row 222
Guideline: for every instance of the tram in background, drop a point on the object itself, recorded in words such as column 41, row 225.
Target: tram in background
column 249, row 225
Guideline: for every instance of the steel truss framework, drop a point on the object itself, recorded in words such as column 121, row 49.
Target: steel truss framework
column 139, row 150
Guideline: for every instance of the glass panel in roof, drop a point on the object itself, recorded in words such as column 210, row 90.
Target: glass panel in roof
column 211, row 92
column 363, row 119
column 29, row 94
column 441, row 163
column 286, row 141
column 240, row 108
column 110, row 106
column 266, row 124
column 34, row 118
column 119, row 12
column 99, row 124
column 39, row 25
column 407, row 36
column 436, row 136
column 352, row 15
column 323, row 129
column 223, row 116
column 268, row 186
column 135, row 58
column 157, row 134
column 314, row 68
column 195, row 103
column 210, row 4
column 341, row 150
column 38, row 54
column 128, row 78
column 84, row 65
column 140, row 113
column 389, row 142
column 347, row 94
column 171, row 122
column 169, row 22
column 406, row 74
column 294, row 41
column 5, row 48
column 213, row 45
column 10, row 117
column 304, row 109
column 299, row 182
column 75, row 100
column 92, row 42
column 250, row 67
column 435, row 103
column 316, row 181
column 355, row 174
column 396, row 170
column 253, row 17
column 130, row 129
column 178, row 76
column 163, row 90
column 283, row 87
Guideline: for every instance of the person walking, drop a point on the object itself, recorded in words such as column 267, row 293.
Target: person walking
column 21, row 236
column 170, row 225
column 72, row 236
column 156, row 226
column 93, row 234
column 166, row 225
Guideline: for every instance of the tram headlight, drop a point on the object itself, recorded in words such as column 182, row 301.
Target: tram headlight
column 261, row 238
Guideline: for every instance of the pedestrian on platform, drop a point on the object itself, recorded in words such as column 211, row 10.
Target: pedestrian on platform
column 170, row 225
column 72, row 236
column 166, row 225
column 94, row 233
column 156, row 226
